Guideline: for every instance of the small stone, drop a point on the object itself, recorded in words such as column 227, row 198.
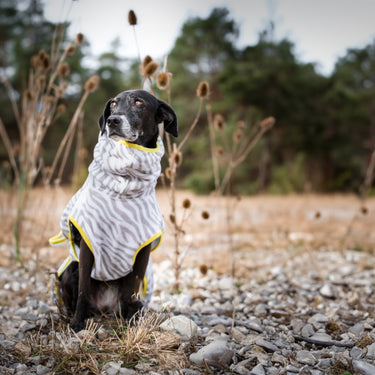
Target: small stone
column 321, row 336
column 307, row 330
column 23, row 349
column 328, row 291
column 41, row 370
column 357, row 329
column 363, row 368
column 44, row 308
column 306, row 358
column 6, row 344
column 182, row 325
column 371, row 351
column 215, row 354
column 258, row 370
column 268, row 346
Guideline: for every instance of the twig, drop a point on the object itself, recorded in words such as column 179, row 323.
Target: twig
column 9, row 148
column 187, row 135
column 310, row 340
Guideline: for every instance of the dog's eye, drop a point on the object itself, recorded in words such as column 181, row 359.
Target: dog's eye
column 113, row 105
column 138, row 102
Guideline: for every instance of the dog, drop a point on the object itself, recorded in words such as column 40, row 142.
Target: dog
column 114, row 222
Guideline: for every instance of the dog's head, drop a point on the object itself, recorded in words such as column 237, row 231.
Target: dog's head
column 134, row 116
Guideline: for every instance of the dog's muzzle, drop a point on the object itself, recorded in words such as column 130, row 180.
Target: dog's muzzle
column 119, row 126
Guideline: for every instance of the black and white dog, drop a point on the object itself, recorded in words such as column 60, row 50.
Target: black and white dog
column 113, row 222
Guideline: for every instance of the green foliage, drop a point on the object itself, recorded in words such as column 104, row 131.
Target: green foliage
column 325, row 126
column 290, row 177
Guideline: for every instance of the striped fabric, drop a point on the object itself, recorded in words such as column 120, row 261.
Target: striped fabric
column 116, row 211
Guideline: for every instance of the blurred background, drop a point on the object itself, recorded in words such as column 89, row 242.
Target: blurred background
column 310, row 65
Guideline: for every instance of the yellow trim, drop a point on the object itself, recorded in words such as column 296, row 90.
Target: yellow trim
column 57, row 240
column 139, row 147
column 145, row 286
column 63, row 267
column 82, row 233
column 151, row 239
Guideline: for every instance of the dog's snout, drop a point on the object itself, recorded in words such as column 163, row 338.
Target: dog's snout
column 114, row 121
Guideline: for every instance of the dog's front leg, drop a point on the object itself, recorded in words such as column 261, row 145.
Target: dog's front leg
column 131, row 283
column 82, row 311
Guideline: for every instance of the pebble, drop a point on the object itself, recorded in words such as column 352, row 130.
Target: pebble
column 180, row 324
column 304, row 317
column 216, row 354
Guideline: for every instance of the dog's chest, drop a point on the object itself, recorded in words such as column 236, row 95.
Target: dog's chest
column 106, row 298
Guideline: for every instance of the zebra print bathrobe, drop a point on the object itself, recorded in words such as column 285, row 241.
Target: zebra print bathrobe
column 116, row 211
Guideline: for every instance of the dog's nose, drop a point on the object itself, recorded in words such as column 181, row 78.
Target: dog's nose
column 114, row 121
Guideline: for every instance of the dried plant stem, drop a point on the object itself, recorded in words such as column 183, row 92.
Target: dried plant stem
column 137, row 44
column 9, row 148
column 213, row 147
column 187, row 135
column 235, row 161
column 69, row 134
column 369, row 176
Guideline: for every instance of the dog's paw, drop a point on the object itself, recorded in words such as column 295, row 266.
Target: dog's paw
column 77, row 325
column 131, row 308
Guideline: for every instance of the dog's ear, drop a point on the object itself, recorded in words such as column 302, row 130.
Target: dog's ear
column 103, row 118
column 166, row 114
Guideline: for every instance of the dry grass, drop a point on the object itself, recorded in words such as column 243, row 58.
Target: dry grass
column 256, row 224
column 121, row 342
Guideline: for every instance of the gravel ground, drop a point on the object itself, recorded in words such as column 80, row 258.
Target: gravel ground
column 314, row 313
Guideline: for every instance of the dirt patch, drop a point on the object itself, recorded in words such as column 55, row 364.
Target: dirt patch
column 237, row 234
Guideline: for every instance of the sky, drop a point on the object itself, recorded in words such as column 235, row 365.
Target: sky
column 322, row 30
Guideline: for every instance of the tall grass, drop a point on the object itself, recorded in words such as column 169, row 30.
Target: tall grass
column 35, row 113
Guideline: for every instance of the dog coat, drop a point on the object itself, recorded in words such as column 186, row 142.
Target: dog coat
column 115, row 211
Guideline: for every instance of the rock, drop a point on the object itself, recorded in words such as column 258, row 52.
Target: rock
column 181, row 325
column 371, row 351
column 363, row 368
column 328, row 291
column 357, row 329
column 305, row 358
column 41, row 370
column 258, row 370
column 307, row 330
column 216, row 354
column 268, row 346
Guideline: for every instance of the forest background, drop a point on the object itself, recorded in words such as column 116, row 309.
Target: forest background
column 324, row 134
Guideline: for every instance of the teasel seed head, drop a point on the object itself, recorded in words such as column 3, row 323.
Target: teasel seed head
column 28, row 95
column 203, row 269
column 364, row 210
column 132, row 18
column 41, row 81
column 203, row 90
column 150, row 69
column 168, row 173
column 186, row 204
column 219, row 151
column 79, row 38
column 237, row 136
column 267, row 123
column 92, row 83
column 162, row 80
column 43, row 60
column 70, row 49
column 48, row 100
column 63, row 69
column 176, row 158
column 61, row 108
column 59, row 90
column 219, row 121
column 205, row 215
column 241, row 124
